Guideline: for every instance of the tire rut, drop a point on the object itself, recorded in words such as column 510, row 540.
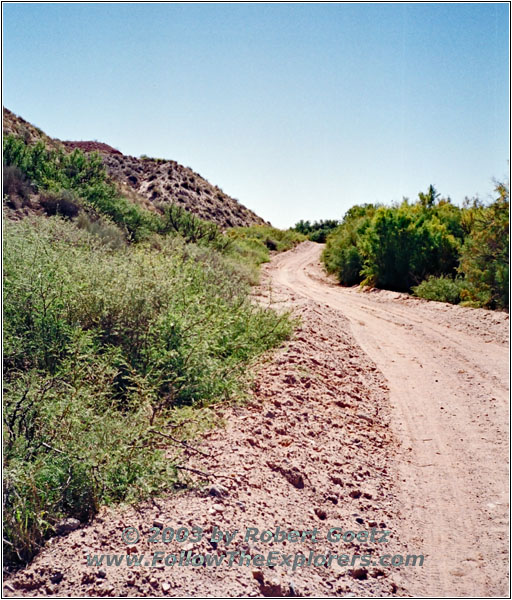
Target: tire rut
column 447, row 371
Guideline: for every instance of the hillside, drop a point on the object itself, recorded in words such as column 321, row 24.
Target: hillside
column 123, row 327
column 151, row 183
column 166, row 181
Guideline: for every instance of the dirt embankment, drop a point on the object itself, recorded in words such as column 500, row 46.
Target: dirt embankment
column 382, row 414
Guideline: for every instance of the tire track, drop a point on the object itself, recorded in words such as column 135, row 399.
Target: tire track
column 449, row 395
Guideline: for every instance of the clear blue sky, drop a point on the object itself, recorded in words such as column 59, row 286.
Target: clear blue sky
column 297, row 110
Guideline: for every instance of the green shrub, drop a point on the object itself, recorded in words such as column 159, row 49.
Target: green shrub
column 251, row 249
column 82, row 175
column 441, row 289
column 317, row 231
column 16, row 187
column 273, row 239
column 109, row 233
column 68, row 449
column 349, row 266
column 102, row 347
column 251, row 246
column 423, row 246
column 271, row 244
column 402, row 247
column 62, row 203
column 396, row 247
column 177, row 220
column 138, row 223
column 485, row 253
column 342, row 255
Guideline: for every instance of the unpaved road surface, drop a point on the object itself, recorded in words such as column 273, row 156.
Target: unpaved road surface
column 447, row 371
column 382, row 413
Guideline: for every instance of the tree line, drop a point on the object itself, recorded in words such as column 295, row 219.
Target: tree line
column 430, row 247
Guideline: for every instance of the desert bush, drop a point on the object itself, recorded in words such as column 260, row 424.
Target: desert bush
column 177, row 220
column 273, row 239
column 348, row 265
column 318, row 230
column 401, row 248
column 138, row 223
column 423, row 246
column 16, row 187
column 342, row 254
column 63, row 203
column 103, row 346
column 247, row 254
column 251, row 249
column 84, row 176
column 109, row 233
column 69, row 449
column 271, row 244
column 116, row 294
column 396, row 247
column 441, row 289
column 251, row 246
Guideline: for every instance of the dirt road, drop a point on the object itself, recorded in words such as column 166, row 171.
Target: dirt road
column 383, row 413
column 447, row 370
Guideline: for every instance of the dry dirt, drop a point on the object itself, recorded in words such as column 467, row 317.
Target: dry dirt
column 157, row 182
column 447, row 370
column 382, row 412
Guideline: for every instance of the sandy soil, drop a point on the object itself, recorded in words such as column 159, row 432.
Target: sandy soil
column 447, row 370
column 382, row 414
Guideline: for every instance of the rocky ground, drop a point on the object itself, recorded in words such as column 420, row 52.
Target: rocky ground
column 161, row 182
column 313, row 449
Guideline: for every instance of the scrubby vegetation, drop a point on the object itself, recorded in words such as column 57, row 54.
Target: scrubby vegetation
column 70, row 181
column 441, row 289
column 122, row 326
column 318, row 230
column 431, row 247
column 271, row 238
column 73, row 183
column 254, row 244
column 16, row 187
column 484, row 259
column 104, row 346
column 177, row 220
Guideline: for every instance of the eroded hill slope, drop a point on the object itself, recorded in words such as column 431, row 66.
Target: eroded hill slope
column 152, row 183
